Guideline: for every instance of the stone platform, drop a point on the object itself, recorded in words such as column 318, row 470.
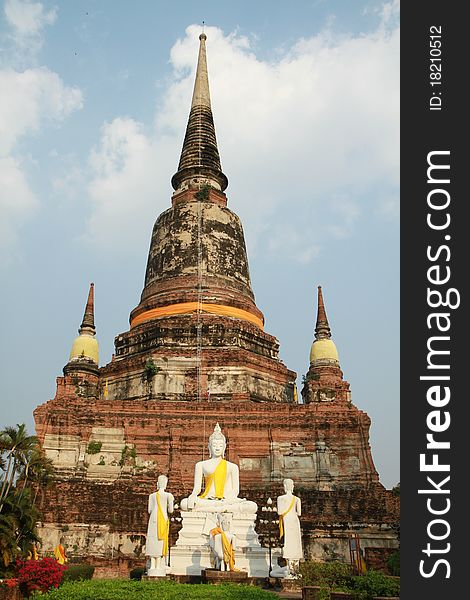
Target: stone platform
column 188, row 560
column 192, row 553
column 217, row 577
column 197, row 524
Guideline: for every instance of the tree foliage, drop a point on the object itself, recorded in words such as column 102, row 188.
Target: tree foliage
column 23, row 469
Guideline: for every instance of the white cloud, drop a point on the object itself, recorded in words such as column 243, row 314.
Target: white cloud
column 318, row 124
column 17, row 202
column 27, row 21
column 33, row 99
column 128, row 185
column 389, row 13
column 345, row 213
column 69, row 177
column 285, row 240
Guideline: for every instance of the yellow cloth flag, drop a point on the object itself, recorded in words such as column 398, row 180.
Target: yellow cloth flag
column 218, row 476
column 281, row 518
column 33, row 554
column 229, row 554
column 362, row 565
column 59, row 553
column 163, row 526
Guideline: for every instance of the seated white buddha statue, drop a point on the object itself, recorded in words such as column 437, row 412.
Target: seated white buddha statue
column 221, row 482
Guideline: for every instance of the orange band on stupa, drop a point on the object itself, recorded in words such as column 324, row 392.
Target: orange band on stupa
column 191, row 307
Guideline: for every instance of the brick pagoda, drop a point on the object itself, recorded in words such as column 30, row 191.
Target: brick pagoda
column 196, row 352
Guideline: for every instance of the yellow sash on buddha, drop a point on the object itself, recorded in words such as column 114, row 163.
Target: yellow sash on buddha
column 59, row 553
column 163, row 526
column 218, row 477
column 229, row 554
column 281, row 518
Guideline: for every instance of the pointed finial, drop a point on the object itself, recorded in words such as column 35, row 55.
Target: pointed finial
column 322, row 329
column 199, row 161
column 201, row 94
column 88, row 323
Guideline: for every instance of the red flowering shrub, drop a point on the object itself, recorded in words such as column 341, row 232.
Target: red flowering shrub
column 42, row 574
column 11, row 583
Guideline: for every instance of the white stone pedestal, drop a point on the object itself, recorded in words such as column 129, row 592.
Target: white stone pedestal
column 192, row 553
column 162, row 572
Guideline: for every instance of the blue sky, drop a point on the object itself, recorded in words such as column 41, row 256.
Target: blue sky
column 94, row 103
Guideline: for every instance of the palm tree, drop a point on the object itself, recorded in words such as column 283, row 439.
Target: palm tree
column 15, row 443
column 23, row 462
column 18, row 532
column 26, row 516
column 8, row 546
column 36, row 469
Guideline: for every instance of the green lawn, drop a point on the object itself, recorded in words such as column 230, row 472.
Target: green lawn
column 123, row 589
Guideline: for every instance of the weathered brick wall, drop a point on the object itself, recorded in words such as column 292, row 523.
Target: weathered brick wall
column 324, row 446
column 376, row 558
column 110, row 569
column 109, row 520
column 122, row 505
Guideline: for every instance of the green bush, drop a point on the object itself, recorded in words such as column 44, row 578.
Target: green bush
column 338, row 576
column 328, row 576
column 393, row 563
column 203, row 193
column 117, row 589
column 150, row 369
column 375, row 583
column 94, row 447
column 78, row 572
column 331, row 574
column 137, row 573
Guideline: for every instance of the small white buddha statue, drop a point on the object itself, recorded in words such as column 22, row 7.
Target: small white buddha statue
column 160, row 506
column 223, row 544
column 289, row 510
column 221, row 482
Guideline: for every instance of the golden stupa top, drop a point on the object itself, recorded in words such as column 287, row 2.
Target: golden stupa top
column 323, row 348
column 86, row 344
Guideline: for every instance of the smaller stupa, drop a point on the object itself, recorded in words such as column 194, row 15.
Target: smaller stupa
column 84, row 355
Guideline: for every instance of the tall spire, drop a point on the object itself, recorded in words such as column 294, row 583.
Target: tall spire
column 201, row 93
column 88, row 323
column 200, row 162
column 322, row 329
